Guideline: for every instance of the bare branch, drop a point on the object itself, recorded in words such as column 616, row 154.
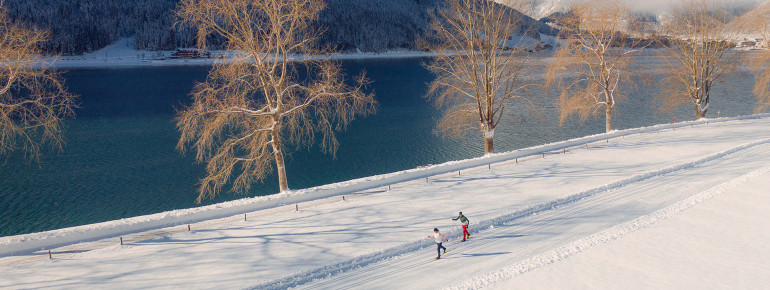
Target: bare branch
column 758, row 21
column 478, row 66
column 33, row 98
column 248, row 110
column 698, row 58
column 600, row 39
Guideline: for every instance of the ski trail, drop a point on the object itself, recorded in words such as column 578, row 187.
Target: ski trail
column 541, row 233
column 525, row 234
column 614, row 233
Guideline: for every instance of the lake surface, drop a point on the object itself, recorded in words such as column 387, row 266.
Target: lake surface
column 120, row 159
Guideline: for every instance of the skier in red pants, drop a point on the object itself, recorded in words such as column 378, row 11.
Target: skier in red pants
column 465, row 222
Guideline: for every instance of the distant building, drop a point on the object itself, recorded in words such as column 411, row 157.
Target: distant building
column 762, row 43
column 747, row 43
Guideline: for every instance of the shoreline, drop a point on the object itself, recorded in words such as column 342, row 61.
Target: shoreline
column 121, row 54
column 136, row 61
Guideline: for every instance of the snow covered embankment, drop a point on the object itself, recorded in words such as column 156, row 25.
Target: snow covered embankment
column 29, row 243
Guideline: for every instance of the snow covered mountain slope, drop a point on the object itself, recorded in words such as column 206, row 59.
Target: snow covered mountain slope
column 528, row 213
column 549, row 7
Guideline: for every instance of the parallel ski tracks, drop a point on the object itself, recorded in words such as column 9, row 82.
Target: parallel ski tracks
column 638, row 195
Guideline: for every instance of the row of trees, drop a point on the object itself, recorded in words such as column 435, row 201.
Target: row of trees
column 250, row 110
column 242, row 112
column 599, row 61
column 480, row 70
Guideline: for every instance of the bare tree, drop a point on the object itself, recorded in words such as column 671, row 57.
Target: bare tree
column 479, row 66
column 253, row 105
column 697, row 59
column 33, row 98
column 758, row 21
column 595, row 63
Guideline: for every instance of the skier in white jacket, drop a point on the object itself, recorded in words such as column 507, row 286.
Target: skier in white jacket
column 438, row 237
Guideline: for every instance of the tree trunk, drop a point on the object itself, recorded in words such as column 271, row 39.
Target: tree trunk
column 608, row 122
column 702, row 106
column 489, row 136
column 699, row 113
column 489, row 146
column 280, row 166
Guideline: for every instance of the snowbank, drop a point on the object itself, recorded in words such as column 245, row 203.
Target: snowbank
column 28, row 243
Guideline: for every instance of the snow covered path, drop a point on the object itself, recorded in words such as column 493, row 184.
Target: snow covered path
column 377, row 239
column 524, row 238
column 715, row 240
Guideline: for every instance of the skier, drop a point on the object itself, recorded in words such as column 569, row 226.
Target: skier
column 438, row 236
column 465, row 222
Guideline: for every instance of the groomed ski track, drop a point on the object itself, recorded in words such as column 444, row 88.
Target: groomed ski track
column 525, row 213
column 543, row 234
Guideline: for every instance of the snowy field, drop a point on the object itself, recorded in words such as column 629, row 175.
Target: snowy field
column 645, row 208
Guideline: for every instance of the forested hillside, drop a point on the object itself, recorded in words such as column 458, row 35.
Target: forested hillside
column 374, row 25
column 80, row 26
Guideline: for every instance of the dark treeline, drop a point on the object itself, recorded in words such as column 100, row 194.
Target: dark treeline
column 81, row 26
column 380, row 25
column 374, row 25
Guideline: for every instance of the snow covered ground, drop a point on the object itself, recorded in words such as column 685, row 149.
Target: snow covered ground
column 645, row 208
column 721, row 244
column 121, row 54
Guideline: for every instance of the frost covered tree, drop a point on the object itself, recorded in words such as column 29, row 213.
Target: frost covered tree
column 33, row 98
column 594, row 66
column 697, row 59
column 757, row 21
column 251, row 107
column 479, row 63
